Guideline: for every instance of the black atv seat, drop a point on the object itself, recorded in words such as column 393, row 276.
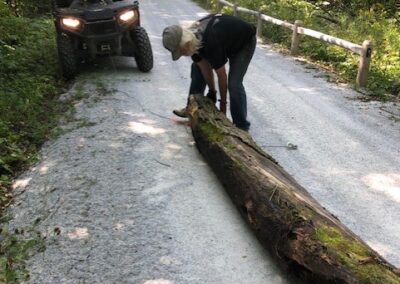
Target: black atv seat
column 67, row 3
column 63, row 3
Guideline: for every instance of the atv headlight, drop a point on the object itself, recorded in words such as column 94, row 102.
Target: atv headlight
column 71, row 23
column 127, row 16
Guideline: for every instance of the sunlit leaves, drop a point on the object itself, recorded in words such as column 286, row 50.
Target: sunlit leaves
column 354, row 21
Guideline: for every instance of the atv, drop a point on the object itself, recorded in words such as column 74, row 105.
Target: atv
column 87, row 29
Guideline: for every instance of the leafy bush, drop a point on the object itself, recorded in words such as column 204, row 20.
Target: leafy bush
column 29, row 8
column 28, row 111
column 28, row 65
column 354, row 21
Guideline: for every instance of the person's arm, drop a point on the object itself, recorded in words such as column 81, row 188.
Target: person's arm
column 207, row 73
column 223, row 87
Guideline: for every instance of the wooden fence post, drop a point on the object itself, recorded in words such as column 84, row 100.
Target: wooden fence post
column 235, row 12
column 363, row 67
column 295, row 38
column 259, row 25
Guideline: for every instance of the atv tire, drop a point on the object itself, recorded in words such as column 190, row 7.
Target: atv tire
column 66, row 55
column 143, row 53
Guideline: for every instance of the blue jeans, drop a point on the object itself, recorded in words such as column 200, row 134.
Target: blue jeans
column 238, row 65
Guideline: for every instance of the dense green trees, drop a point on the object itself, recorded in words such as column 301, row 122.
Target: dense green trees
column 389, row 7
column 355, row 21
column 29, row 7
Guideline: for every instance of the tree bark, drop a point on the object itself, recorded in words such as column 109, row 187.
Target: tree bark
column 302, row 235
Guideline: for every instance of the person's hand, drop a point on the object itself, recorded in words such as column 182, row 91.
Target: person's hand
column 212, row 95
column 222, row 106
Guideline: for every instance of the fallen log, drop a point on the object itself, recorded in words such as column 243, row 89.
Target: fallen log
column 305, row 238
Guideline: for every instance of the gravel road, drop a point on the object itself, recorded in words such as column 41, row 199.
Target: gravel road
column 123, row 196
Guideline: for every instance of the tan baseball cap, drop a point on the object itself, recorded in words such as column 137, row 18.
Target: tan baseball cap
column 172, row 36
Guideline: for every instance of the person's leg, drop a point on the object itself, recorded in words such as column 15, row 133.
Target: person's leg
column 197, row 84
column 237, row 69
column 197, row 87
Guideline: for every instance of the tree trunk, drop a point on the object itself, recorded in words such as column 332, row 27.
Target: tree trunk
column 305, row 238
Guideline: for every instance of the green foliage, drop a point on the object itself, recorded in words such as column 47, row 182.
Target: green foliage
column 28, row 84
column 354, row 21
column 29, row 8
column 14, row 250
column 28, row 112
column 385, row 35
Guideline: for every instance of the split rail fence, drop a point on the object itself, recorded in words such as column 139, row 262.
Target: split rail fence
column 364, row 50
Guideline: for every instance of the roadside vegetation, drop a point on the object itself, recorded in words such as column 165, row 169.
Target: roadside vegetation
column 354, row 21
column 29, row 84
column 28, row 88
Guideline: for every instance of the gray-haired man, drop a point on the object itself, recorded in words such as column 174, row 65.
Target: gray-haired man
column 215, row 40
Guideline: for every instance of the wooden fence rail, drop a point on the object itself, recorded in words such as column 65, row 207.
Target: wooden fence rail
column 364, row 50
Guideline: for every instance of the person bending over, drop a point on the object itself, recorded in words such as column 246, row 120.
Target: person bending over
column 212, row 42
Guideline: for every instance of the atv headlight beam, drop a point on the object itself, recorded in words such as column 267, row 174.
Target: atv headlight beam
column 71, row 22
column 127, row 16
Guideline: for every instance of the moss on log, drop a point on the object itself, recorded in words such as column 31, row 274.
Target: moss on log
column 305, row 238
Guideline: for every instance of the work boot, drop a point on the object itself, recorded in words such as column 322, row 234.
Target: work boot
column 181, row 112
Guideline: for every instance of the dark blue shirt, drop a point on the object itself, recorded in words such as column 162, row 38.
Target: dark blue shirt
column 223, row 37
